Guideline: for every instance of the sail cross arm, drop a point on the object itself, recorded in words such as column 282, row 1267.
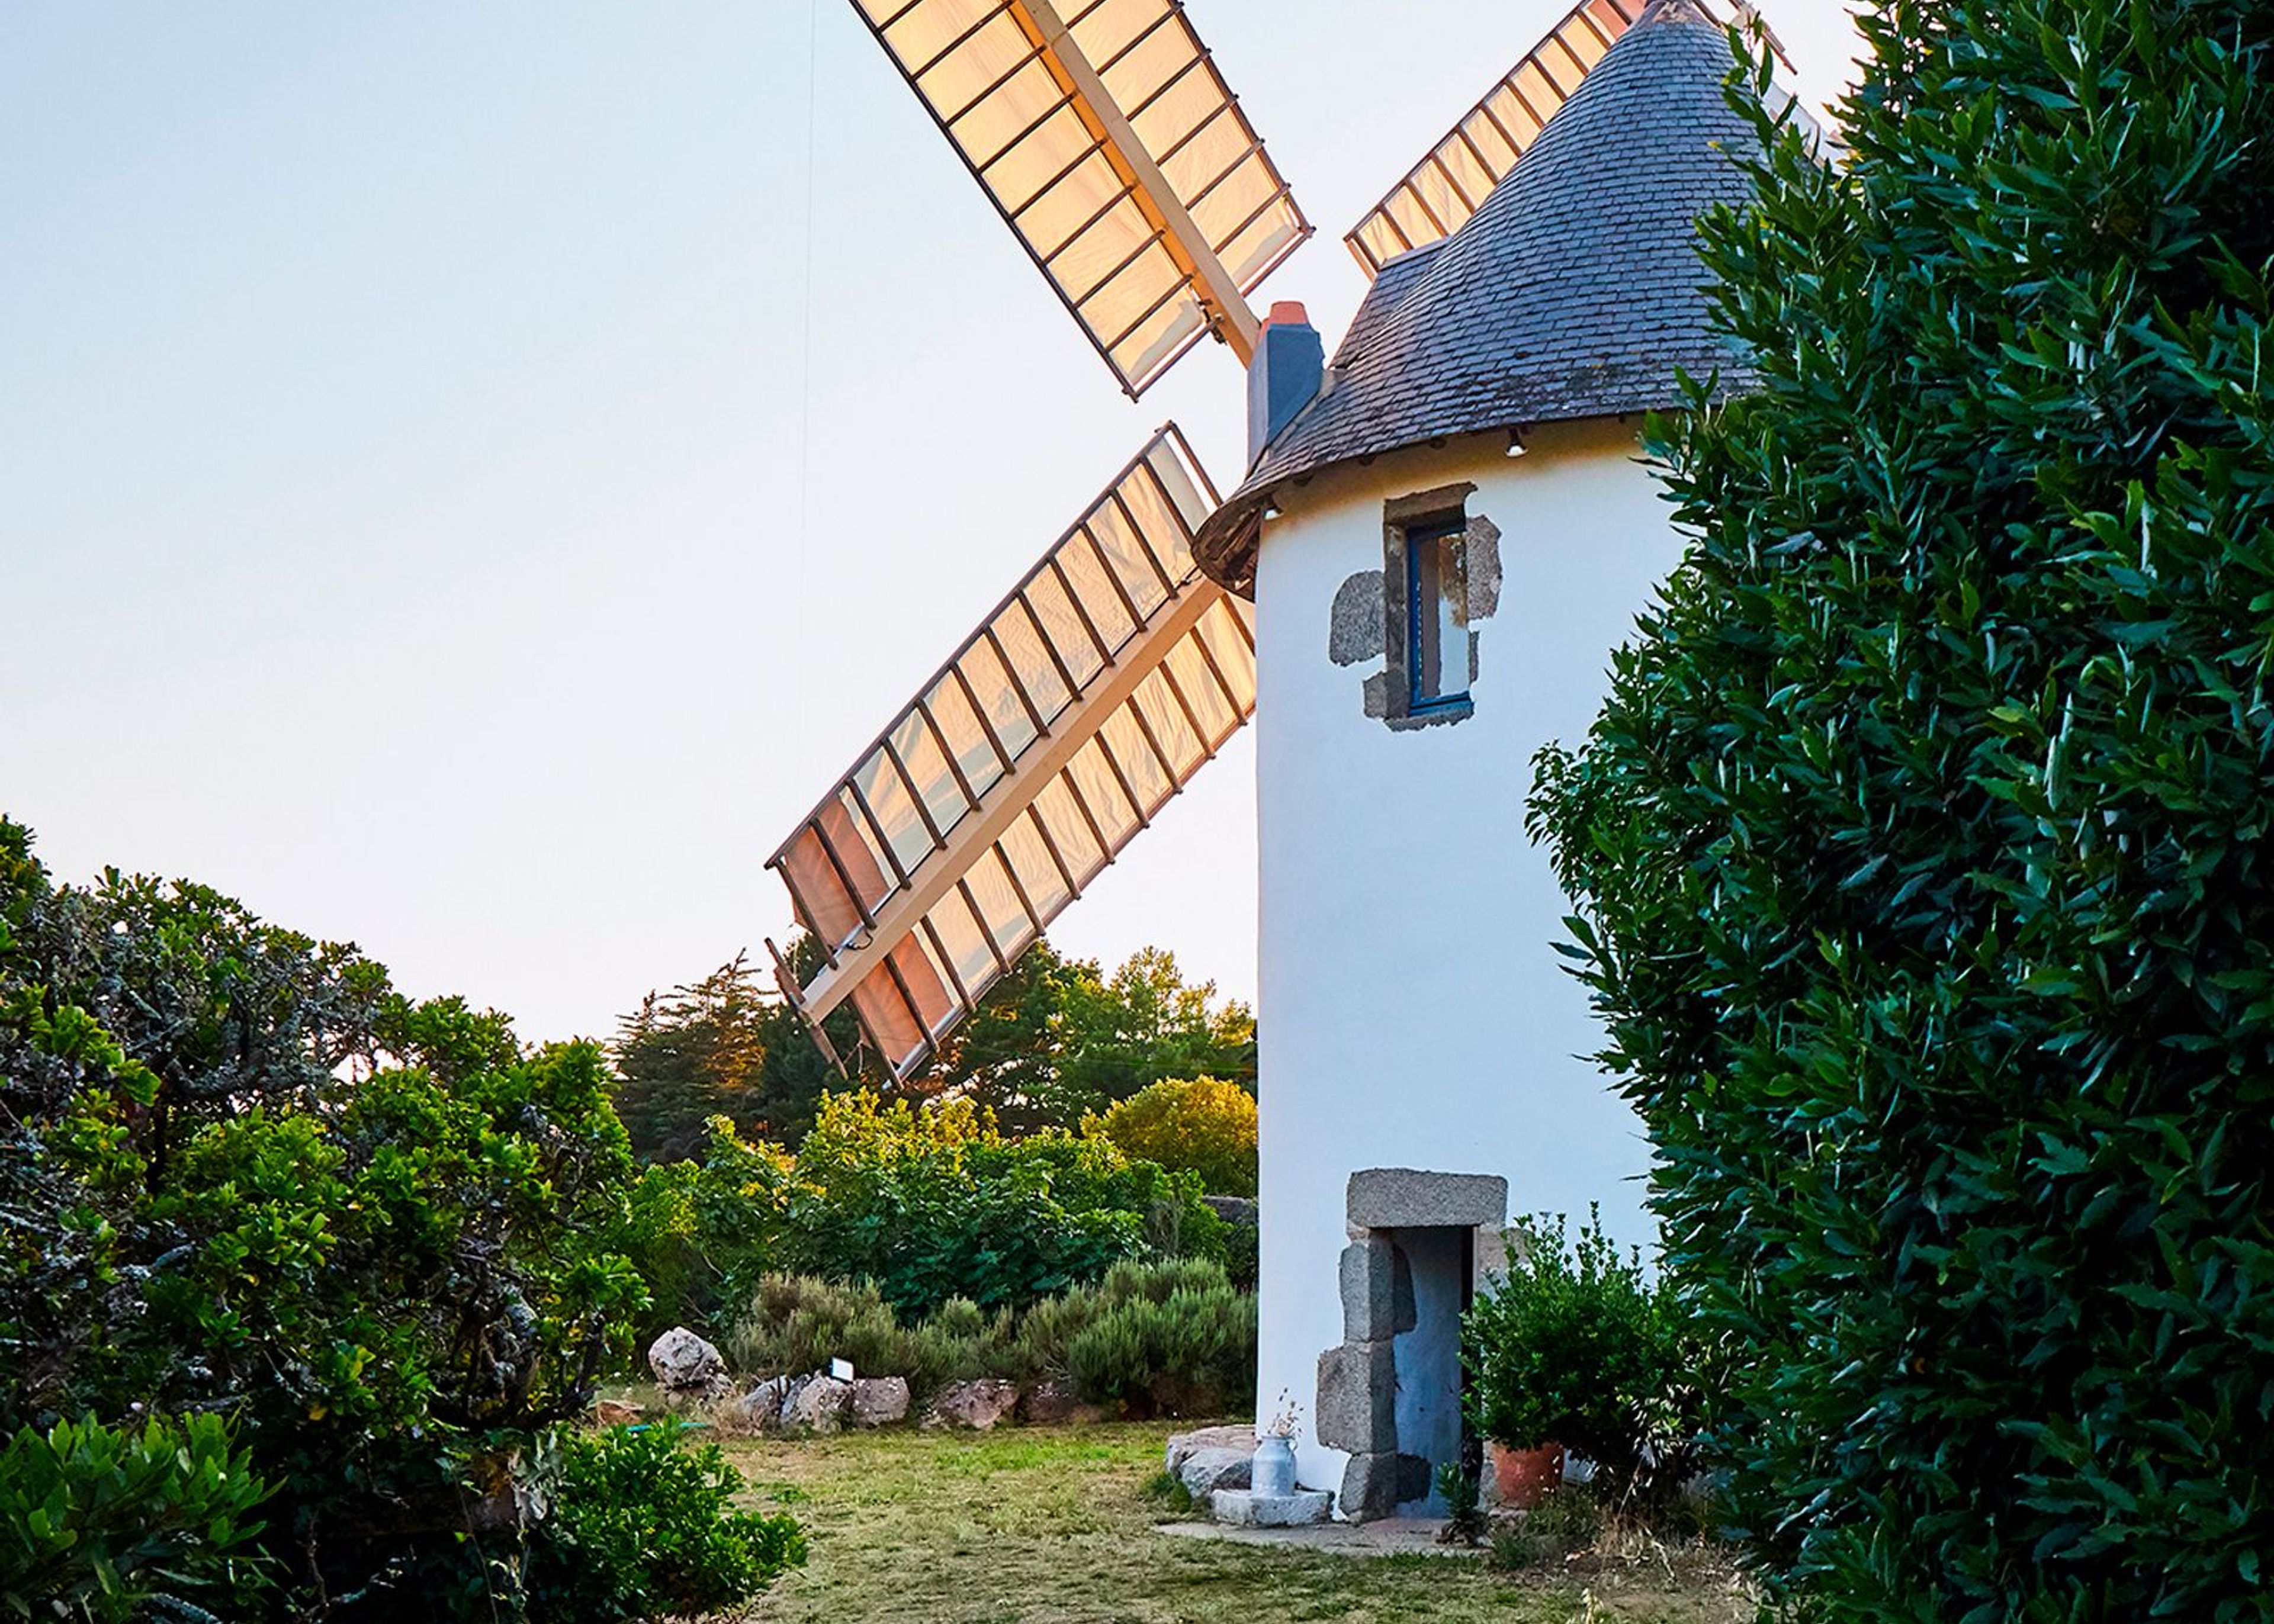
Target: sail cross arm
column 1094, row 691
column 1107, row 139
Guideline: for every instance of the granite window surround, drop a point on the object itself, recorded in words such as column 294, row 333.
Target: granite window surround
column 1372, row 617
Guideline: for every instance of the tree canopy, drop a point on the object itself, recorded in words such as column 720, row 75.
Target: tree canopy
column 243, row 1177
column 1055, row 1039
column 1923, row 852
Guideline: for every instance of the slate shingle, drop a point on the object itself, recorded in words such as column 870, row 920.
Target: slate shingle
column 1574, row 292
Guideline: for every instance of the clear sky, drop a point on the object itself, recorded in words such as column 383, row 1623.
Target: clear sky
column 472, row 475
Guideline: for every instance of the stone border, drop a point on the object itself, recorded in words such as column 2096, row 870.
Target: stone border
column 1358, row 1379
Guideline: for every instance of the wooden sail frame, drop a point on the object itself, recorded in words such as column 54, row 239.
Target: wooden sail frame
column 1085, row 701
column 1435, row 198
column 1106, row 137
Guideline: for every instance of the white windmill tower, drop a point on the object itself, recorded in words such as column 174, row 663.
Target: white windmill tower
column 1440, row 536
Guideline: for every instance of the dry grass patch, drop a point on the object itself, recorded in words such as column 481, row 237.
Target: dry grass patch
column 1040, row 1525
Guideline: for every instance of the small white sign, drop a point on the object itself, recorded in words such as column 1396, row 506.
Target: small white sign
column 842, row 1368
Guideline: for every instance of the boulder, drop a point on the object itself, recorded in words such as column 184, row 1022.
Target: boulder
column 762, row 1405
column 817, row 1405
column 686, row 1368
column 1204, row 1472
column 1056, row 1404
column 1233, row 1209
column 975, row 1404
column 615, row 1412
column 879, row 1401
column 1182, row 1445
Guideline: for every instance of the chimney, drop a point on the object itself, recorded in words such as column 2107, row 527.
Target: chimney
column 1290, row 365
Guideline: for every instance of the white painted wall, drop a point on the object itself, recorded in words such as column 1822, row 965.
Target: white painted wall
column 1413, row 1010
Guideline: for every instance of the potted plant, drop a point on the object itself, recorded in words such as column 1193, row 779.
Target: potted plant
column 1576, row 1348
column 1272, row 1476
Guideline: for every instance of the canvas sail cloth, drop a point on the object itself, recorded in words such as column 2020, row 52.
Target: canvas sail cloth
column 1111, row 675
column 1436, row 196
column 1109, row 141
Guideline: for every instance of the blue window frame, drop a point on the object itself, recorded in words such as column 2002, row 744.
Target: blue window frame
column 1437, row 615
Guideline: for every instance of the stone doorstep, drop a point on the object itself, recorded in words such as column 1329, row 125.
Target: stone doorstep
column 1391, row 1536
column 1240, row 1508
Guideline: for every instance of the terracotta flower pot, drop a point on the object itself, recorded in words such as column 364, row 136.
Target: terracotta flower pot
column 1524, row 1478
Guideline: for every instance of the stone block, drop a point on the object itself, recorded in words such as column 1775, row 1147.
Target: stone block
column 1405, row 1198
column 1369, row 1492
column 1358, row 1396
column 1491, row 1254
column 879, row 1401
column 1377, row 1290
column 1355, row 625
column 1241, row 1509
column 1204, row 1472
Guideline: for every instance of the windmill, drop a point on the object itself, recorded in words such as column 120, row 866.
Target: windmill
column 1107, row 140
column 1415, row 586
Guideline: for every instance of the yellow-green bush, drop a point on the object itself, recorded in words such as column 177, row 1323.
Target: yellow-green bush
column 1196, row 1125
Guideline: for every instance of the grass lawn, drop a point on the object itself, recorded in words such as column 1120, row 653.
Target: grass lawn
column 1034, row 1524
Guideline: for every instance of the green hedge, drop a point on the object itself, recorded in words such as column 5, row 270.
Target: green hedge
column 1923, row 849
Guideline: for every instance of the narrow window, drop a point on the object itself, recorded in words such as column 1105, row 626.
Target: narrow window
column 1426, row 642
column 1437, row 615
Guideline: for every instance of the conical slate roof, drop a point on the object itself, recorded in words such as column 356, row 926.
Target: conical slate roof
column 1575, row 291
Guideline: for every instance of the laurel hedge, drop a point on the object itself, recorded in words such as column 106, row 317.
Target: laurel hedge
column 1924, row 855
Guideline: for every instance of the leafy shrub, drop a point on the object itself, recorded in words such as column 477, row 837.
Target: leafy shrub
column 931, row 1203
column 702, row 1234
column 796, row 1323
column 1923, row 847
column 106, row 1526
column 1191, row 1353
column 1173, row 1336
column 1569, row 1521
column 243, row 1176
column 1577, row 1346
column 1195, row 1125
column 641, row 1528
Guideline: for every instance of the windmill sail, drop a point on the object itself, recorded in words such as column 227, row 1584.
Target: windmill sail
column 1439, row 193
column 1111, row 674
column 1110, row 145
